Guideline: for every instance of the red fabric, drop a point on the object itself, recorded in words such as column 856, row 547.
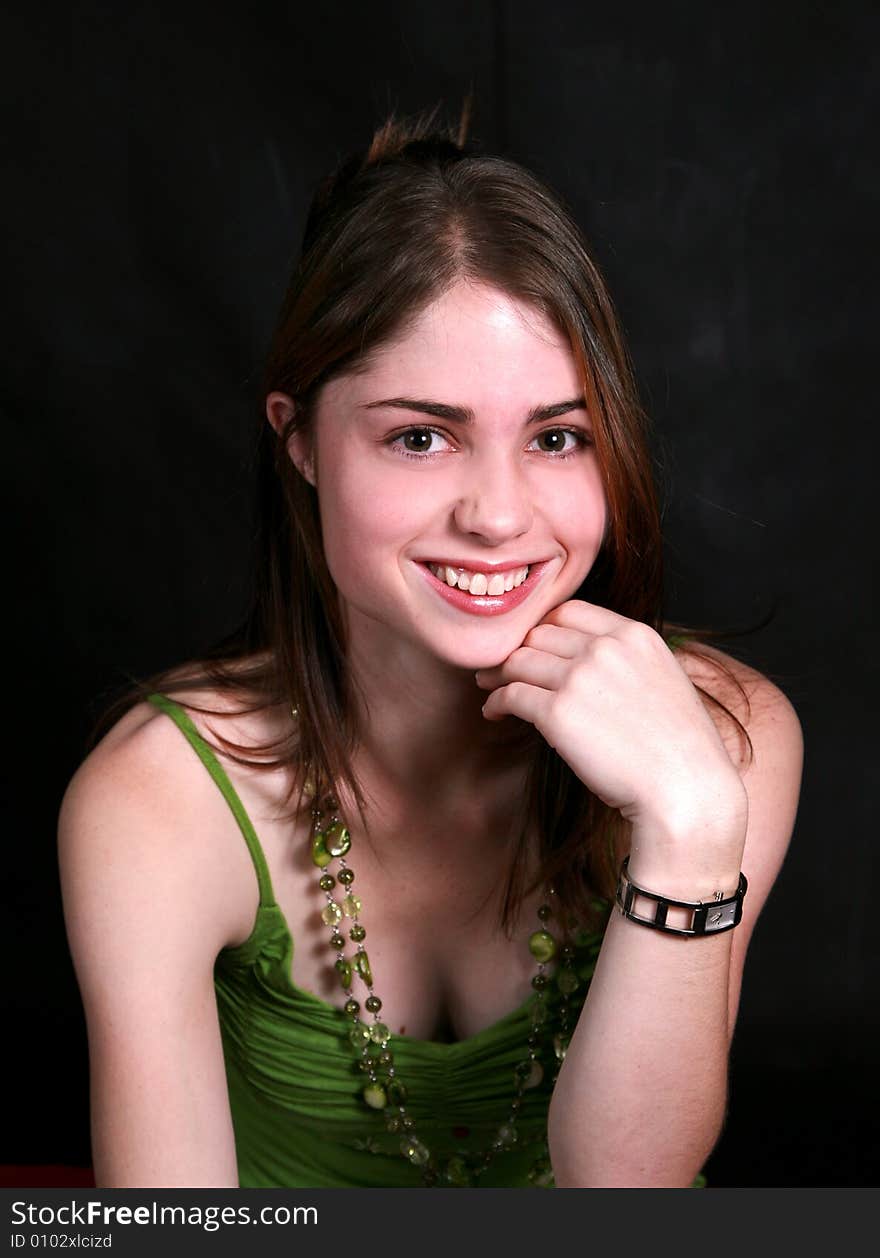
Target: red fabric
column 46, row 1177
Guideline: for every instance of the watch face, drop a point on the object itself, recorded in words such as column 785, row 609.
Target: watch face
column 718, row 919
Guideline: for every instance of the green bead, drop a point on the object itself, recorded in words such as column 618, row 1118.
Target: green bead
column 357, row 934
column 392, row 1121
column 386, row 1057
column 359, row 1034
column 362, row 965
column 528, row 1074
column 337, row 941
column 456, row 1173
column 343, row 969
column 414, row 1151
column 326, row 882
column 536, row 1074
column 397, row 1093
column 337, row 839
column 373, row 1004
column 374, row 1095
column 351, row 905
column 542, row 946
column 544, row 912
column 346, row 877
column 560, row 1046
column 331, row 914
column 506, row 1136
column 351, row 1008
column 320, row 856
column 566, row 952
column 539, row 982
column 379, row 1033
column 541, row 1174
column 567, row 981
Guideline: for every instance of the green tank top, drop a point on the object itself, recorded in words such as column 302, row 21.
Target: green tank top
column 294, row 1090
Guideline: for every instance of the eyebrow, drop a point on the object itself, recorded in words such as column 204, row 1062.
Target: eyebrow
column 464, row 415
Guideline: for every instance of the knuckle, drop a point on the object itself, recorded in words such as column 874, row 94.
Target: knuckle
column 578, row 674
column 638, row 634
column 561, row 706
column 605, row 648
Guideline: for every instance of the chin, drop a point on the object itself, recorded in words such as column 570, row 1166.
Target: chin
column 469, row 653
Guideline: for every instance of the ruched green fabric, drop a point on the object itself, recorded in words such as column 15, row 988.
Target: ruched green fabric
column 294, row 1090
column 299, row 1120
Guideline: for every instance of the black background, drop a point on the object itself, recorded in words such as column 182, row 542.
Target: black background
column 159, row 164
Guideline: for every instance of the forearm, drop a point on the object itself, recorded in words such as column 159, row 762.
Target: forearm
column 640, row 1100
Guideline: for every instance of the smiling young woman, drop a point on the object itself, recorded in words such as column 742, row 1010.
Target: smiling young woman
column 444, row 869
column 495, row 486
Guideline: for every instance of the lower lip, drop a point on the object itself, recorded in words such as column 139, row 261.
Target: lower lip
column 486, row 604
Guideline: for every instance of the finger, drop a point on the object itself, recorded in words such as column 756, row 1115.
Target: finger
column 529, row 703
column 587, row 617
column 567, row 643
column 539, row 668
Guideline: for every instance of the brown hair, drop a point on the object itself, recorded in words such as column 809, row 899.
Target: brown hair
column 390, row 231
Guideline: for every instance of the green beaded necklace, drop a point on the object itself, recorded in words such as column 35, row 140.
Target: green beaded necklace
column 382, row 1090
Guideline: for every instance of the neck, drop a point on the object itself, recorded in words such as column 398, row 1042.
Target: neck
column 425, row 744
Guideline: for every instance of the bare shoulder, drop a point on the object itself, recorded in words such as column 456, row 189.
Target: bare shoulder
column 742, row 701
column 155, row 882
column 141, row 811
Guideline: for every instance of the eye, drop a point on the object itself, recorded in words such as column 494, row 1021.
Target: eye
column 562, row 441
column 416, row 443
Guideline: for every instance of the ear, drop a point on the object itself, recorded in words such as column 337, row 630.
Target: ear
column 280, row 409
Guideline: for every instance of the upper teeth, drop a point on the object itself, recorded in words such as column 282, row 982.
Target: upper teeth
column 480, row 582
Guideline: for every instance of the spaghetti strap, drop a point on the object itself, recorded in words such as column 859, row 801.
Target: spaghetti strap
column 185, row 724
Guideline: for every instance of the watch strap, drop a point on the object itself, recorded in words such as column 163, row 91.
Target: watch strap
column 710, row 917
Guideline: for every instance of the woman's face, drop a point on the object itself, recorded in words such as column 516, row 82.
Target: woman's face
column 460, row 458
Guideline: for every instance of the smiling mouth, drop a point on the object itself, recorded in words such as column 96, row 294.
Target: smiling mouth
column 480, row 584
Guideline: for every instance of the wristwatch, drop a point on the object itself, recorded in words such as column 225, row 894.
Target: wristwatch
column 710, row 917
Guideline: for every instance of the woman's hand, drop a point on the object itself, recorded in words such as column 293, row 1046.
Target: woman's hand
column 640, row 1099
column 609, row 696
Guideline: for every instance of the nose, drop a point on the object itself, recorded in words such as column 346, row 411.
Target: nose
column 496, row 504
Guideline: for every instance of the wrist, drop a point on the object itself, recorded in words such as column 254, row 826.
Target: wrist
column 694, row 854
column 697, row 870
column 694, row 879
column 676, row 915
